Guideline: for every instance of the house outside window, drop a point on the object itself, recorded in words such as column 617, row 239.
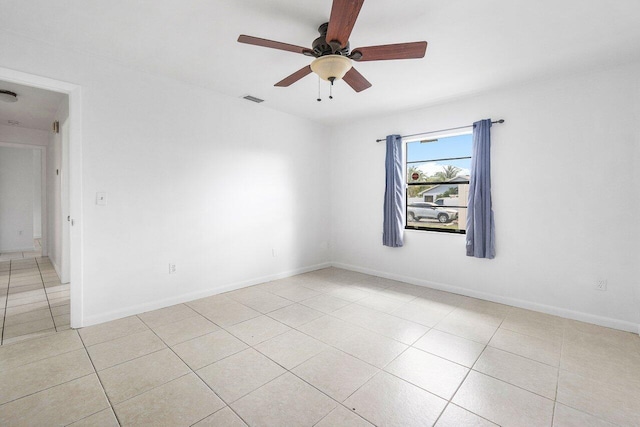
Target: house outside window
column 438, row 174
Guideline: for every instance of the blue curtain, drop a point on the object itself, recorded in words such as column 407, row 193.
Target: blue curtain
column 480, row 226
column 393, row 194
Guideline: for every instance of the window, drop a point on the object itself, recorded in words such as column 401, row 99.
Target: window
column 438, row 172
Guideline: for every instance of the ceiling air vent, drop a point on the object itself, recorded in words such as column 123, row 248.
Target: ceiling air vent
column 253, row 99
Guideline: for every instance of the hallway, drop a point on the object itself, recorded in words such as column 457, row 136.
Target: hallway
column 33, row 302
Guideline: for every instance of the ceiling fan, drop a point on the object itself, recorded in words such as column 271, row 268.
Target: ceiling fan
column 332, row 52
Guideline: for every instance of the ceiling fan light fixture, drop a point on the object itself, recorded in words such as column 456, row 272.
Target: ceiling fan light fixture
column 8, row 96
column 331, row 67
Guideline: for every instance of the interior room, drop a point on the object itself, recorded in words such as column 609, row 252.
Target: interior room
column 421, row 213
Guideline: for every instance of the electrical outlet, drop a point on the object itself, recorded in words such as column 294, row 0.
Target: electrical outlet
column 101, row 198
column 601, row 285
column 172, row 268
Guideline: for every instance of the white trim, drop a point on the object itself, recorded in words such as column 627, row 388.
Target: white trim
column 55, row 267
column 23, row 249
column 141, row 308
column 438, row 135
column 75, row 176
column 44, row 212
column 556, row 311
column 65, row 208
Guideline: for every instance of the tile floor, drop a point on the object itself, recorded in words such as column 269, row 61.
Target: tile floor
column 327, row 348
column 33, row 302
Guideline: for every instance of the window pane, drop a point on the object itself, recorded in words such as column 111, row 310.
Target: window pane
column 439, row 217
column 442, row 169
column 438, row 170
column 446, row 195
column 442, row 148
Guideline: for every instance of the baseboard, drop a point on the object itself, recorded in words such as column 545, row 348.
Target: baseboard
column 179, row 299
column 23, row 249
column 556, row 311
column 56, row 268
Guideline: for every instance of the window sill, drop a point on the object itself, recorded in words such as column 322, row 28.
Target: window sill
column 436, row 230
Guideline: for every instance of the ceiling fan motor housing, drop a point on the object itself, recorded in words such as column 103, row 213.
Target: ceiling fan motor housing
column 321, row 46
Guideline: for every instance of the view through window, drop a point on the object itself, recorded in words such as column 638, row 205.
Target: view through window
column 438, row 173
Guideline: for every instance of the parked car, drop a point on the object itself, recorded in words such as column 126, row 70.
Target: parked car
column 419, row 210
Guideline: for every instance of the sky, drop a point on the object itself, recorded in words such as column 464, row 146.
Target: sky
column 453, row 146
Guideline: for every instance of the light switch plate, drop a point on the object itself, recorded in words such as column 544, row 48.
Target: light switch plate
column 101, row 198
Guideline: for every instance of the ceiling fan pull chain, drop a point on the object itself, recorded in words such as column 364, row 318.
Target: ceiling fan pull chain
column 331, row 88
column 319, row 99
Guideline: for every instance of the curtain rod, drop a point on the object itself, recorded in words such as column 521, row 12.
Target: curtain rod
column 438, row 131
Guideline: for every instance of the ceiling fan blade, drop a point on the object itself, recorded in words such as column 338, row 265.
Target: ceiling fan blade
column 356, row 80
column 257, row 41
column 343, row 17
column 389, row 51
column 288, row 81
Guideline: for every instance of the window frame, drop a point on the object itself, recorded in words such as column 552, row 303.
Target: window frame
column 408, row 184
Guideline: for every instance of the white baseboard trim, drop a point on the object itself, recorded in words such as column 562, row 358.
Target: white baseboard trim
column 549, row 309
column 23, row 249
column 179, row 299
column 56, row 268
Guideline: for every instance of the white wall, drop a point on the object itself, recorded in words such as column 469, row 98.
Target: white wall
column 16, row 199
column 37, row 194
column 19, row 135
column 565, row 196
column 208, row 182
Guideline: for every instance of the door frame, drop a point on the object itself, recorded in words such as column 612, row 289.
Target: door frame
column 75, row 179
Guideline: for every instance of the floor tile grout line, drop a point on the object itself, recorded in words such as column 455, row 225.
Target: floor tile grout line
column 168, row 346
column 199, row 377
column 6, row 308
column 524, row 357
column 39, row 331
column 506, row 382
column 378, row 371
column 95, row 371
column 555, row 400
column 485, row 346
column 44, row 358
column 6, row 302
column 212, row 414
column 287, row 371
column 128, row 360
column 514, row 385
column 467, row 375
column 582, row 411
column 258, row 351
column 46, row 388
column 525, row 334
column 90, row 415
column 46, row 295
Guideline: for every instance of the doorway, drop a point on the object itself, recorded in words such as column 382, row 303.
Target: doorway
column 64, row 233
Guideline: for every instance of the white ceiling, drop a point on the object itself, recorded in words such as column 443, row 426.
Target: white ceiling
column 474, row 45
column 35, row 108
